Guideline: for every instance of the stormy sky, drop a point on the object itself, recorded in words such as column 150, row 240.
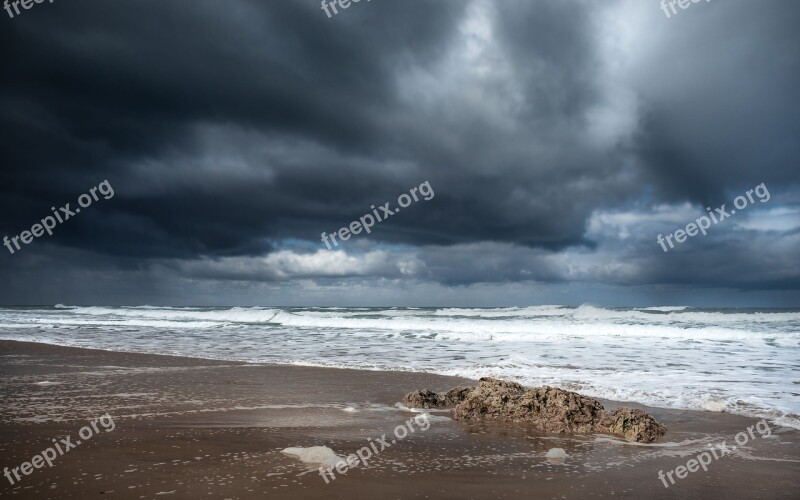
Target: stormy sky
column 559, row 139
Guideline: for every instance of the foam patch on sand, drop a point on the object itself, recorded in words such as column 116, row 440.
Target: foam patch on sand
column 556, row 456
column 793, row 422
column 716, row 406
column 316, row 455
column 426, row 412
column 556, row 453
column 402, row 407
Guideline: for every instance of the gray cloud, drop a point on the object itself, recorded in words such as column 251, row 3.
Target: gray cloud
column 551, row 133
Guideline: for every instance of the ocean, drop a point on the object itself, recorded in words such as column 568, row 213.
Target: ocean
column 744, row 361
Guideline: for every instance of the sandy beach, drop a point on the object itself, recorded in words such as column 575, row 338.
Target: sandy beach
column 191, row 428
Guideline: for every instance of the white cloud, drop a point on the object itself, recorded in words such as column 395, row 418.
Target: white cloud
column 622, row 224
column 290, row 265
column 782, row 219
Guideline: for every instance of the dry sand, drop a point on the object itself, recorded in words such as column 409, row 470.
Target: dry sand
column 190, row 428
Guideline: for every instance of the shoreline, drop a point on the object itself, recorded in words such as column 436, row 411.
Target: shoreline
column 608, row 403
column 188, row 426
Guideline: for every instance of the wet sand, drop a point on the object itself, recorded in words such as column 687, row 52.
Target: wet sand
column 192, row 428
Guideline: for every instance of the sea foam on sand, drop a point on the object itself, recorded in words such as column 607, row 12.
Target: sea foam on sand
column 315, row 455
column 556, row 456
column 717, row 406
column 556, row 453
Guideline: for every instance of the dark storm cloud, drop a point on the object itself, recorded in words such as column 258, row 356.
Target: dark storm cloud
column 722, row 106
column 106, row 93
column 230, row 128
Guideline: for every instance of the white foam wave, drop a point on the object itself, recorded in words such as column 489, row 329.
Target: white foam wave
column 501, row 312
column 738, row 361
column 232, row 315
column 536, row 319
column 664, row 308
